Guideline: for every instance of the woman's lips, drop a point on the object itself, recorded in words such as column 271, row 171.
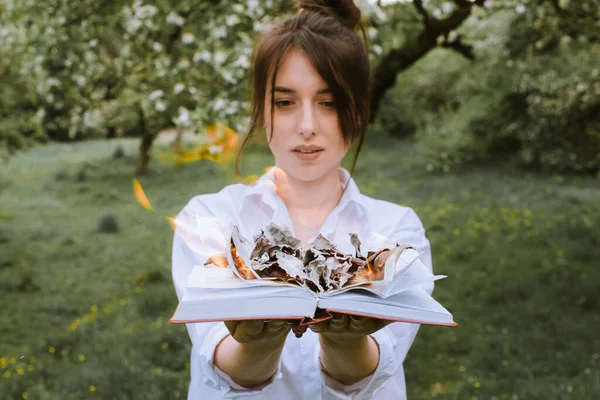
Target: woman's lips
column 308, row 156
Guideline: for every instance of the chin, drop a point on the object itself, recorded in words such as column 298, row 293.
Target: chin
column 307, row 172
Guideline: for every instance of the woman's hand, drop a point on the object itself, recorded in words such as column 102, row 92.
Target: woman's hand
column 347, row 328
column 266, row 335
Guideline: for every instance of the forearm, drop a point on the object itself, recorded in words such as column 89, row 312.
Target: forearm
column 247, row 365
column 349, row 362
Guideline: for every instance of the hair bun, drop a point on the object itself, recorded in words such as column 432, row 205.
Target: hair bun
column 344, row 10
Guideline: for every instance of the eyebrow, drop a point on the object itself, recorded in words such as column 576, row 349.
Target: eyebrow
column 282, row 89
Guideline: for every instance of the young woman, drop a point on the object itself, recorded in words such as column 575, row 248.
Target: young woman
column 310, row 79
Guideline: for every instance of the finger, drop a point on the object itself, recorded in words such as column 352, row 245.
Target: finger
column 248, row 330
column 275, row 327
column 320, row 327
column 360, row 324
column 231, row 326
column 338, row 323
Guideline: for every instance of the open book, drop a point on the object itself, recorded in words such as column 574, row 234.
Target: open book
column 232, row 290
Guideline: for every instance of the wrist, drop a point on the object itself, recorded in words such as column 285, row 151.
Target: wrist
column 265, row 350
column 343, row 344
column 349, row 361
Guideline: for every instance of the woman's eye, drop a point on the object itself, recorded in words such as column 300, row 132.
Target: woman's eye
column 329, row 104
column 283, row 103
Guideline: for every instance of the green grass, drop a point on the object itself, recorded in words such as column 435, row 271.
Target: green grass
column 85, row 314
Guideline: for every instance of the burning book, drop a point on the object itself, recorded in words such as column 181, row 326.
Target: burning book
column 274, row 277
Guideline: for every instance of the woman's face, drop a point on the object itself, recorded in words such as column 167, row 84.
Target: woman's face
column 307, row 141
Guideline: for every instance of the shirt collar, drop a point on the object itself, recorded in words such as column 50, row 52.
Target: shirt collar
column 265, row 190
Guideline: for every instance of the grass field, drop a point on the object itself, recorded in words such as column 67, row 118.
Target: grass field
column 85, row 314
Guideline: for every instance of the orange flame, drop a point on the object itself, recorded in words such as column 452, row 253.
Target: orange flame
column 171, row 221
column 218, row 260
column 138, row 191
column 241, row 266
column 220, row 135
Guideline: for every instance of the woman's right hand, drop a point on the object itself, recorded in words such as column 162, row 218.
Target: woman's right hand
column 261, row 334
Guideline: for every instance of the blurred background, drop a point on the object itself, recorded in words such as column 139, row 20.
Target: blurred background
column 114, row 114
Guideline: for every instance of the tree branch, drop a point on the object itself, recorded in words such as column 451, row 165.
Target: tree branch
column 400, row 59
column 460, row 47
column 421, row 10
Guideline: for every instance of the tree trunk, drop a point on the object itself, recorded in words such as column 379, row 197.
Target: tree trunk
column 145, row 145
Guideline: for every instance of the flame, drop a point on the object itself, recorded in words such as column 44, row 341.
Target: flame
column 218, row 260
column 222, row 135
column 220, row 149
column 241, row 266
column 439, row 387
column 371, row 273
column 138, row 191
column 171, row 221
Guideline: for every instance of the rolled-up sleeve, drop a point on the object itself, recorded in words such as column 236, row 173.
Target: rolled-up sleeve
column 198, row 236
column 369, row 386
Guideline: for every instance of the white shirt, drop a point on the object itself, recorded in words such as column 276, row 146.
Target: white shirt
column 203, row 228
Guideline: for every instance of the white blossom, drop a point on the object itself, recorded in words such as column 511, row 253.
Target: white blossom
column 156, row 94
column 220, row 57
column 160, row 106
column 215, row 149
column 488, row 3
column 93, row 42
column 144, row 12
column 92, row 119
column 188, row 38
column 232, row 20
column 447, row 7
column 372, row 32
column 228, row 76
column 258, row 26
column 175, row 19
column 243, row 62
column 252, row 4
column 133, row 25
column 178, row 88
column 183, row 63
column 219, row 32
column 377, row 49
column 157, row 46
column 183, row 119
column 520, row 8
column 219, row 104
column 238, row 8
column 452, row 36
column 51, row 82
column 202, row 56
column 80, row 80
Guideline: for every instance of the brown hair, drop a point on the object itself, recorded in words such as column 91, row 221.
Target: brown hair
column 325, row 31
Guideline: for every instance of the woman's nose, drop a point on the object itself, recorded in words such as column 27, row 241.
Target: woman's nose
column 308, row 122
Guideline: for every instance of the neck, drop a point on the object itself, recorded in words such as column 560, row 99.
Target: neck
column 309, row 195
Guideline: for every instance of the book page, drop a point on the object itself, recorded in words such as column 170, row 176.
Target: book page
column 414, row 274
column 411, row 305
column 215, row 277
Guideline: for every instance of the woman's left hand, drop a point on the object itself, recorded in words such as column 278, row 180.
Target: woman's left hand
column 345, row 328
